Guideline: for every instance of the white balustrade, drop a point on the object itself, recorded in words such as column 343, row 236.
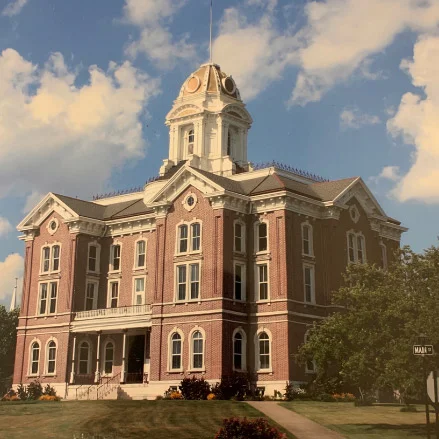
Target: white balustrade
column 134, row 310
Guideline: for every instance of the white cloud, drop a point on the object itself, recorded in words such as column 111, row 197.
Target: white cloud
column 56, row 135
column 11, row 268
column 353, row 118
column 14, row 7
column 32, row 200
column 5, row 226
column 391, row 173
column 156, row 41
column 416, row 121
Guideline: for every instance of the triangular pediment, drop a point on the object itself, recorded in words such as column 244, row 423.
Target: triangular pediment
column 184, row 178
column 358, row 190
column 48, row 205
column 238, row 111
column 183, row 110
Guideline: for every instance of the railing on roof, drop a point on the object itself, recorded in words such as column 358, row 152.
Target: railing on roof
column 116, row 193
column 288, row 168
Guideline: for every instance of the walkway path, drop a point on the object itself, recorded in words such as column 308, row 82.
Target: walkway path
column 301, row 427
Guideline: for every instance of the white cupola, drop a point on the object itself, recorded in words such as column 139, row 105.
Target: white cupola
column 208, row 124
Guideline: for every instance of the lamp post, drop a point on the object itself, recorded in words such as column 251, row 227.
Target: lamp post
column 423, row 341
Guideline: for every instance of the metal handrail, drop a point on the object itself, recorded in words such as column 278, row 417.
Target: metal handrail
column 109, row 383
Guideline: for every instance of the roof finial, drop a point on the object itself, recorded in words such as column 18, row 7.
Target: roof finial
column 211, row 6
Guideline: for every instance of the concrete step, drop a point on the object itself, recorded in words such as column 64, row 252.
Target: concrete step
column 135, row 392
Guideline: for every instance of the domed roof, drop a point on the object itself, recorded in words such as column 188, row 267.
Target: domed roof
column 209, row 79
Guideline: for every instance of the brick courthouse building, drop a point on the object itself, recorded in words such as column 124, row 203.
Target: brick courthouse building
column 214, row 266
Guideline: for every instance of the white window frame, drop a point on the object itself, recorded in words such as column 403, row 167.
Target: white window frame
column 137, row 254
column 257, row 292
column 191, row 367
column 96, row 293
column 88, row 357
column 48, row 297
column 37, row 373
column 313, row 283
column 307, row 225
column 107, row 342
column 188, row 281
column 256, row 236
column 241, row 331
column 178, row 331
column 356, row 236
column 98, row 257
column 242, row 238
column 186, row 137
column 307, row 370
column 51, row 259
column 135, row 293
column 257, row 359
column 46, row 356
column 109, row 292
column 111, row 268
column 190, row 249
column 243, row 281
column 384, row 261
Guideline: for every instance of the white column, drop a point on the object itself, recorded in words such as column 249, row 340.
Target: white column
column 98, row 362
column 124, row 353
column 72, row 372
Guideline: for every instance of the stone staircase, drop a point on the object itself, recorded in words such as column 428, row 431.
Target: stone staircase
column 134, row 391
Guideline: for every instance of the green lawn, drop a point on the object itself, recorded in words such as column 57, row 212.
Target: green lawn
column 119, row 419
column 364, row 422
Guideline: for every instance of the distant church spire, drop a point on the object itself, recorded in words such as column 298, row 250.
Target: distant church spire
column 14, row 297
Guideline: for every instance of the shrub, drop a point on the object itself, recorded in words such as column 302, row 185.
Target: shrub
column 49, row 390
column 367, row 400
column 159, row 398
column 14, row 398
column 292, row 392
column 235, row 428
column 22, row 392
column 408, row 408
column 211, row 396
column 9, row 395
column 49, row 398
column 232, row 386
column 194, row 388
column 34, row 390
column 176, row 395
column 344, row 397
column 326, row 397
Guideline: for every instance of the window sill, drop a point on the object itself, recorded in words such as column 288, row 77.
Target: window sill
column 33, row 376
column 263, row 302
column 269, row 371
column 139, row 270
column 196, row 371
column 310, row 303
column 50, row 274
column 175, row 371
column 304, row 255
column 94, row 273
column 50, row 375
column 187, row 302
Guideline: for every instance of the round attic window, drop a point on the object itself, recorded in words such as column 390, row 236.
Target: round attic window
column 229, row 85
column 190, row 201
column 52, row 226
column 193, row 84
column 354, row 213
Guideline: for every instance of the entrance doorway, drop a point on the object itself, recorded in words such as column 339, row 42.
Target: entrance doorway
column 136, row 358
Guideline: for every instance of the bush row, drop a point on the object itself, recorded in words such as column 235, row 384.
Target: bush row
column 32, row 392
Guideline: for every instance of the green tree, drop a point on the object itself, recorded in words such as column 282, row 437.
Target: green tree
column 368, row 344
column 8, row 337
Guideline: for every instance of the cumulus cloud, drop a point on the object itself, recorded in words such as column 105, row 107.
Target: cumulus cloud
column 14, row 8
column 57, row 135
column 391, row 173
column 5, row 226
column 156, row 41
column 32, row 200
column 416, row 121
column 353, row 118
column 11, row 268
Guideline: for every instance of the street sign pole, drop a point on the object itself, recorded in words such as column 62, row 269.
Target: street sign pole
column 436, row 403
column 427, row 403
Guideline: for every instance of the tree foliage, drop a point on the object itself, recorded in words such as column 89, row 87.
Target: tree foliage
column 369, row 343
column 8, row 337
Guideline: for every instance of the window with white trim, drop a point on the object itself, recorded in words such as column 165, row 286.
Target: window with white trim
column 50, row 258
column 262, row 281
column 183, row 238
column 356, row 248
column 383, row 255
column 93, row 258
column 51, row 358
column 261, row 237
column 113, row 294
column 108, row 358
column 56, row 249
column 190, row 141
column 139, row 290
column 188, row 281
column 309, row 283
column 45, row 265
column 239, row 281
column 34, row 356
column 239, row 237
column 310, row 365
column 195, row 236
column 264, row 354
column 84, row 363
column 189, row 238
column 115, row 253
column 197, row 357
column 91, row 295
column 176, row 352
column 47, row 298
column 140, row 261
column 239, row 350
column 307, row 239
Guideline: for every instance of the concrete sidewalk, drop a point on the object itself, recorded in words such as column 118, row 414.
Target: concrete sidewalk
column 301, row 427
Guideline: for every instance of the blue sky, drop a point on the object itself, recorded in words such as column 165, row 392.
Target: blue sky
column 337, row 87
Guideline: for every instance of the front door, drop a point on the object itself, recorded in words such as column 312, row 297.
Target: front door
column 136, row 358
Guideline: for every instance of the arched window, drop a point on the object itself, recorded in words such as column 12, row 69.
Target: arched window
column 262, row 237
column 109, row 358
column 196, row 236
column 182, row 238
column 45, row 266
column 84, row 358
column 197, row 350
column 51, row 357
column 55, row 257
column 34, row 358
column 191, row 139
column 176, row 351
column 239, row 350
column 264, row 351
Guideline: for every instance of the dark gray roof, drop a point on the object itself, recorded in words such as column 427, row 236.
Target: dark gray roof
column 84, row 208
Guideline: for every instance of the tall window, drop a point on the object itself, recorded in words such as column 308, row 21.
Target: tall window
column 93, row 258
column 91, row 295
column 229, row 143
column 310, row 366
column 308, row 283
column 196, row 236
column 114, row 295
column 189, row 238
column 356, row 248
column 262, row 271
column 183, row 238
column 55, row 257
column 262, row 237
column 43, row 298
column 264, row 351
column 47, row 298
column 115, row 257
column 51, row 357
column 109, row 358
column 45, row 266
column 239, row 282
column 191, row 136
column 34, row 358
column 50, row 258
column 239, row 349
column 307, row 244
column 84, row 358
column 140, row 254
column 139, row 291
column 239, row 240
column 53, row 297
column 188, row 288
column 197, row 350
column 176, row 351
column 383, row 256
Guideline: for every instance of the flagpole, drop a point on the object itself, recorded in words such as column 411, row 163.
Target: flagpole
column 211, row 6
